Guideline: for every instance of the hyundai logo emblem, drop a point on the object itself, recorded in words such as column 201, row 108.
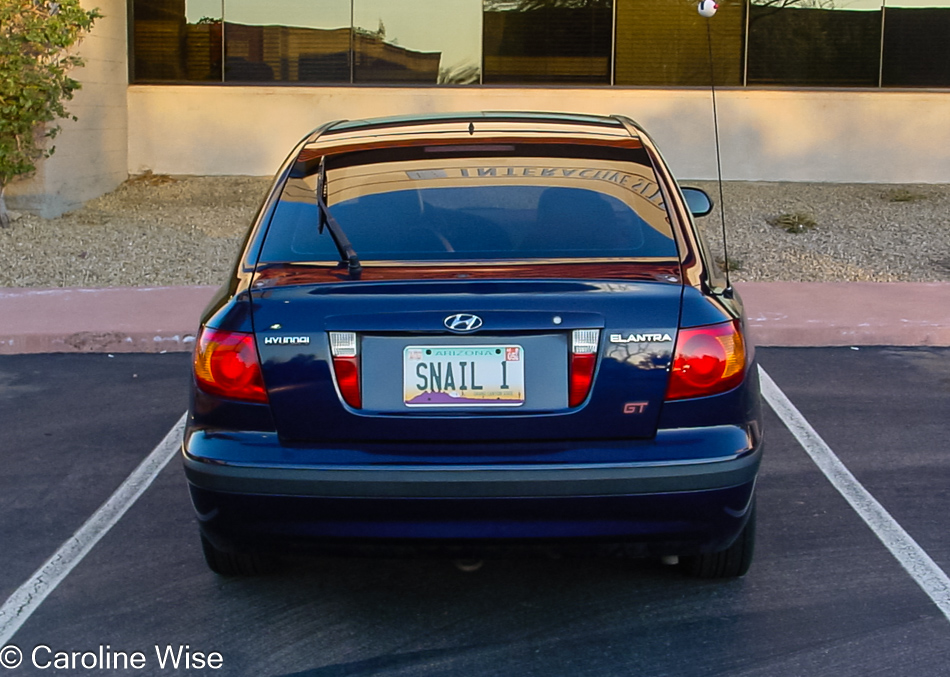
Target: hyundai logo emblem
column 463, row 322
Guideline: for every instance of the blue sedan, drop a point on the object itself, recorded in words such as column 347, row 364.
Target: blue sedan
column 475, row 334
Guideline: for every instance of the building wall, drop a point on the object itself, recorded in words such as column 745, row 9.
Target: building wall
column 91, row 156
column 883, row 136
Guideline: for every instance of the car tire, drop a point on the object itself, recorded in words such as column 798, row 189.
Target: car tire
column 732, row 562
column 235, row 563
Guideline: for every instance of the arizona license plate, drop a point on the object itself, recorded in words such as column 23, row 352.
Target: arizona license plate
column 463, row 376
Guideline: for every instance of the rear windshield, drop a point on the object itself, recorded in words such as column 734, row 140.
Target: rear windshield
column 477, row 208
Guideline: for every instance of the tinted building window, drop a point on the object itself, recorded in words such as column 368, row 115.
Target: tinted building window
column 417, row 41
column 287, row 41
column 318, row 41
column 664, row 43
column 176, row 40
column 547, row 41
column 916, row 44
column 653, row 43
column 805, row 42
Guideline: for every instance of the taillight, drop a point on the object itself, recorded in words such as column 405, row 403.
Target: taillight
column 707, row 360
column 583, row 360
column 346, row 366
column 226, row 364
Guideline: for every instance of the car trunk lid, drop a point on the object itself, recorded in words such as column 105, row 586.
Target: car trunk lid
column 413, row 366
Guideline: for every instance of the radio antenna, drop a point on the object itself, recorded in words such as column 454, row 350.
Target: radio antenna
column 707, row 9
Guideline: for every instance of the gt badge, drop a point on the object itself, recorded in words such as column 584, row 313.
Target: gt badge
column 635, row 407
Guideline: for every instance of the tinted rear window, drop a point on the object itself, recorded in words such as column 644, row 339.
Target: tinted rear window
column 477, row 208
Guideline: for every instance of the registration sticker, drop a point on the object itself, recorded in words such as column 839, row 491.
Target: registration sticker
column 463, row 376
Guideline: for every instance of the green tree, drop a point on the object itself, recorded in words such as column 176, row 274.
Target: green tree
column 35, row 37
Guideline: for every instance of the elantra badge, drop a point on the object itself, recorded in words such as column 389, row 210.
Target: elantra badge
column 462, row 322
column 640, row 338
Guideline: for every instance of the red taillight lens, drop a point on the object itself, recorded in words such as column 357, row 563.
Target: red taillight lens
column 708, row 360
column 226, row 364
column 582, row 374
column 344, row 348
column 581, row 367
column 348, row 378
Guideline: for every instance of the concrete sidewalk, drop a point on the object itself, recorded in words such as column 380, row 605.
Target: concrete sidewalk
column 164, row 319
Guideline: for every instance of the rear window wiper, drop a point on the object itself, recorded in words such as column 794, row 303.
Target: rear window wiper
column 342, row 242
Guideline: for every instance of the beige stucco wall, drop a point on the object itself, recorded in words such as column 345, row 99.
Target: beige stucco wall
column 91, row 156
column 791, row 135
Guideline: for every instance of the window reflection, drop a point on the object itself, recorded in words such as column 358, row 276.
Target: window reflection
column 664, row 43
column 916, row 45
column 593, row 42
column 287, row 41
column 176, row 40
column 814, row 42
column 417, row 41
column 547, row 41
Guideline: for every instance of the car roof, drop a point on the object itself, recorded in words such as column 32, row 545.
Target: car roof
column 473, row 127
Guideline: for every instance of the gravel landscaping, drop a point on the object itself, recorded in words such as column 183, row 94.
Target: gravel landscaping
column 159, row 230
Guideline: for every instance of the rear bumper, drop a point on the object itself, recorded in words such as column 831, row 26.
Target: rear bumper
column 474, row 482
column 651, row 508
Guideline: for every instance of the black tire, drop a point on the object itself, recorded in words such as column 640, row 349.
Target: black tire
column 732, row 562
column 235, row 563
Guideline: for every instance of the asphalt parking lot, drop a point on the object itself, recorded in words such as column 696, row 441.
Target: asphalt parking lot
column 824, row 596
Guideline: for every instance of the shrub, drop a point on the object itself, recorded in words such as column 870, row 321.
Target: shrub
column 35, row 36
column 796, row 222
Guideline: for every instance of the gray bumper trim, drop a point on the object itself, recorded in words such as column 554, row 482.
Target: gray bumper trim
column 475, row 482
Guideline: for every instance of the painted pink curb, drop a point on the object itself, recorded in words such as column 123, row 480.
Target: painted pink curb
column 112, row 320
column 164, row 319
column 848, row 313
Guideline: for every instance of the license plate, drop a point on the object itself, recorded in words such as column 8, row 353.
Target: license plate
column 463, row 376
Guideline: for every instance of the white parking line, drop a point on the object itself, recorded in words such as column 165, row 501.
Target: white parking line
column 911, row 556
column 27, row 598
